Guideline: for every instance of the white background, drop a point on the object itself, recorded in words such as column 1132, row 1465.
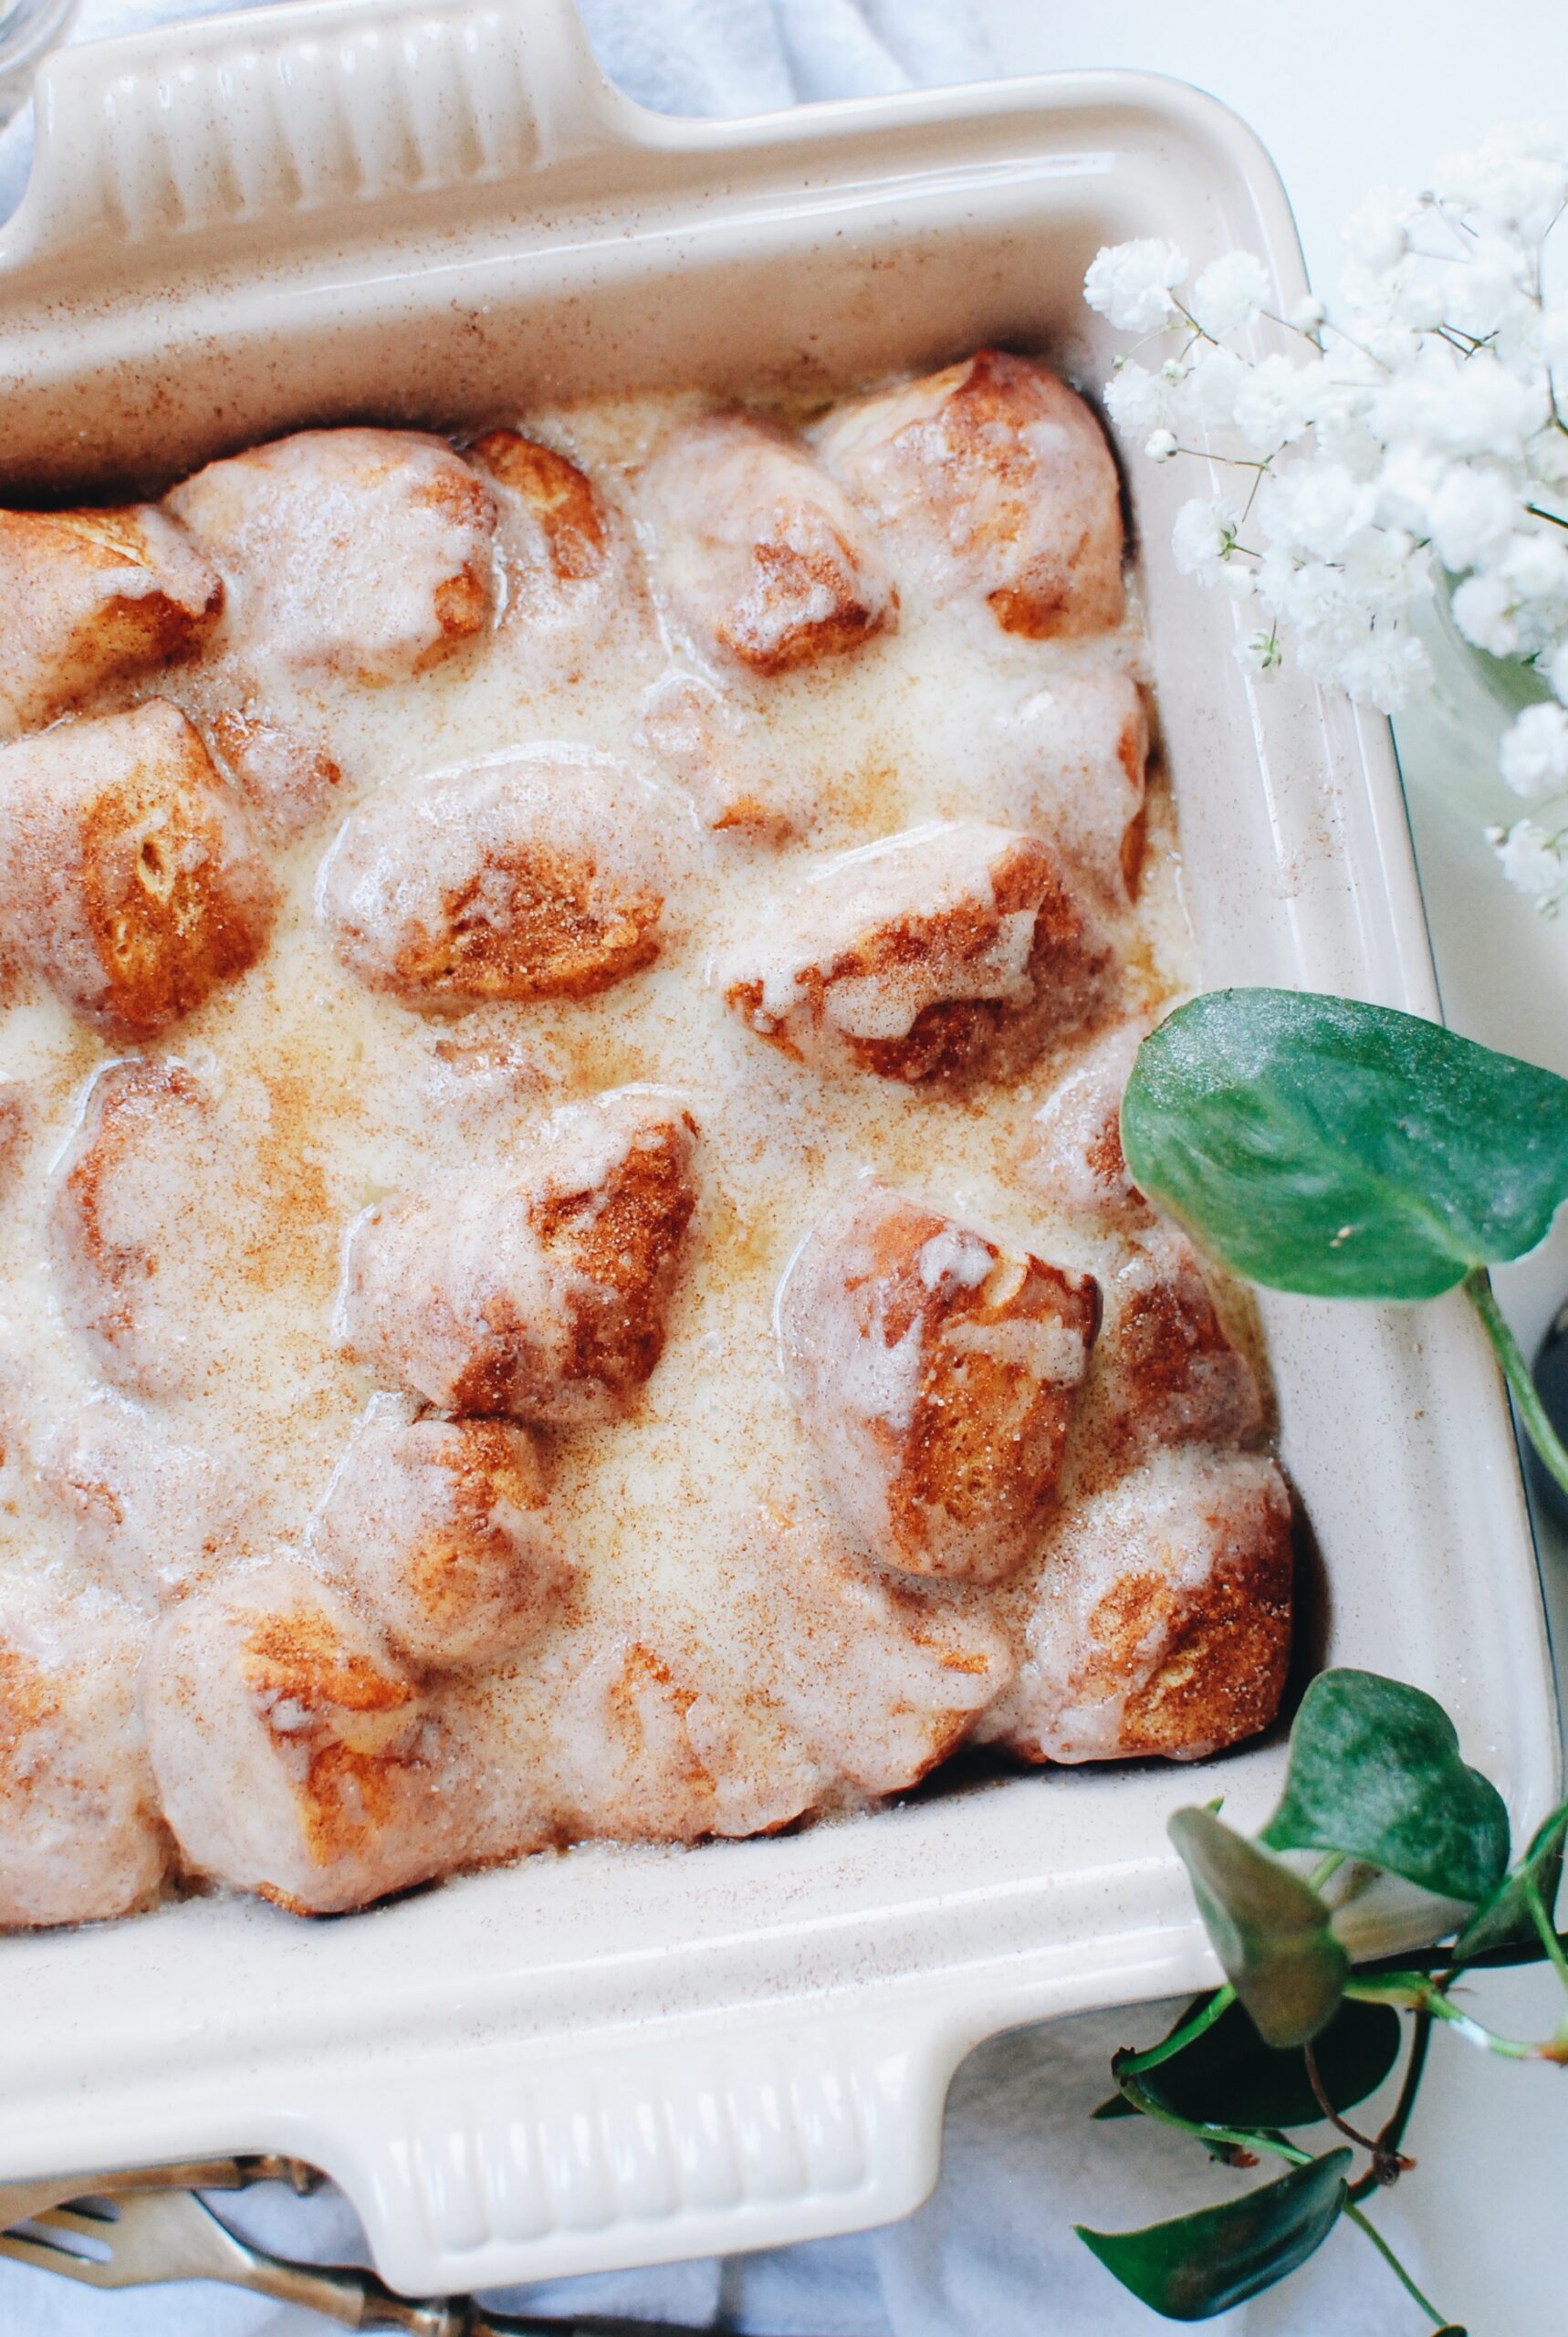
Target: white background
column 1346, row 95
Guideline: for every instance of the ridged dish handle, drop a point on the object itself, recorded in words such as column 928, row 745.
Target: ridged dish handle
column 640, row 2146
column 266, row 117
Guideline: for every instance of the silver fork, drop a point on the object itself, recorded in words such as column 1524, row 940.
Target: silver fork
column 20, row 2202
column 139, row 2239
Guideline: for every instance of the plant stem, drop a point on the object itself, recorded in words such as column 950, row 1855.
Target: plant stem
column 1516, row 1371
column 1438, row 2320
column 1545, row 1926
column 1415, row 1992
column 1325, row 1868
column 1132, row 2064
column 1239, row 2138
column 1393, row 2133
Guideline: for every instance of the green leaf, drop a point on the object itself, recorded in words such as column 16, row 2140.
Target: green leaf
column 1229, row 2077
column 1270, row 1929
column 1199, row 2264
column 1504, row 1920
column 1375, row 1771
column 1343, row 1150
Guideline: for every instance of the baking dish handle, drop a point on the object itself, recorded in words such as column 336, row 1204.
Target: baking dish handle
column 780, row 2124
column 256, row 119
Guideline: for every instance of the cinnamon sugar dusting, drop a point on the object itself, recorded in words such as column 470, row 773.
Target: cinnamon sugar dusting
column 567, row 1269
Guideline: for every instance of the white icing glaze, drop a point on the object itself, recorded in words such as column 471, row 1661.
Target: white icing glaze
column 721, row 1663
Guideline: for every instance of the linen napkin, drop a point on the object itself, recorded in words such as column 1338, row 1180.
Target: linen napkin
column 993, row 2253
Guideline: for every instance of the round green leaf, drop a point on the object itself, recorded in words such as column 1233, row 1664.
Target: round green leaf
column 1229, row 2077
column 1375, row 1771
column 1343, row 1150
column 1269, row 1930
column 1196, row 2266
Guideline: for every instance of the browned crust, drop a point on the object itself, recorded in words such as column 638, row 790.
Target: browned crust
column 1225, row 1651
column 625, row 1238
column 43, row 552
column 560, row 498
column 29, row 1700
column 448, row 1570
column 167, row 933
column 985, row 1447
column 1177, row 1377
column 982, row 428
column 462, row 601
column 786, row 571
column 248, row 743
column 567, row 929
column 951, row 1037
column 15, row 1126
column 352, row 1792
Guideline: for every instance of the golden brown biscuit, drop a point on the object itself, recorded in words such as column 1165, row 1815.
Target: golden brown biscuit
column 936, row 1376
column 1158, row 1617
column 133, row 882
column 544, row 874
column 570, row 527
column 439, row 1528
column 363, row 551
column 924, row 957
column 1166, row 1372
column 93, row 597
column 286, row 776
column 540, row 1292
column 80, row 1836
column 295, row 1755
column 991, row 480
column 767, row 564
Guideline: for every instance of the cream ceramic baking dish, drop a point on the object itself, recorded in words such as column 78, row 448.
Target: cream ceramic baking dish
column 334, row 212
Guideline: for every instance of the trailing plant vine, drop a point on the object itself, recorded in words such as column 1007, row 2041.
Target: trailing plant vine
column 1320, row 1146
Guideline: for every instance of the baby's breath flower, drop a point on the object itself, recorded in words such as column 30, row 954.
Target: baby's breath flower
column 1386, row 668
column 1423, row 433
column 1516, row 182
column 1317, row 507
column 1274, row 405
column 1471, row 510
column 1215, row 379
column 1459, row 406
column 1533, row 758
column 1484, row 614
column 1203, row 537
column 1532, row 859
column 1534, row 565
column 1377, row 232
column 1229, row 293
column 1139, row 401
column 1132, row 284
column 1259, row 653
column 1481, row 289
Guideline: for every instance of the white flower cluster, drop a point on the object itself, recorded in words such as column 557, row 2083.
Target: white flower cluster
column 1419, row 437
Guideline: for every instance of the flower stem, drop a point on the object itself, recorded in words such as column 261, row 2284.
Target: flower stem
column 1438, row 2320
column 1516, row 1371
column 1132, row 2064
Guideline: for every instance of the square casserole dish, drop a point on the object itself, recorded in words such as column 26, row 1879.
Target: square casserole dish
column 328, row 213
